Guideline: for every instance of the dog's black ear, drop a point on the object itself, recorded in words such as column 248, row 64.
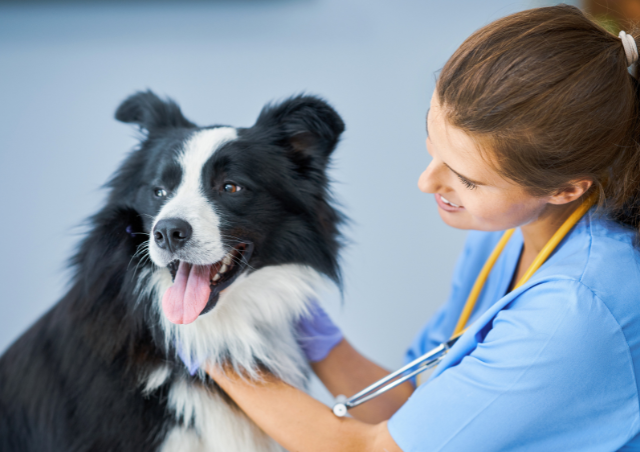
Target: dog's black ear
column 307, row 125
column 151, row 113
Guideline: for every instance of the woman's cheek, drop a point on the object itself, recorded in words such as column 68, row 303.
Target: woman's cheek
column 487, row 212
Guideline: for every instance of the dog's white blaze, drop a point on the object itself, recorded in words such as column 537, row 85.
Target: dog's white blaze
column 190, row 204
column 209, row 423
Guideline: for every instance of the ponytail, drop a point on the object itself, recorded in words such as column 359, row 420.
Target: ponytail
column 622, row 192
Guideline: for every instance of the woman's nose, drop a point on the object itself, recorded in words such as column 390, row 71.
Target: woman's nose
column 429, row 179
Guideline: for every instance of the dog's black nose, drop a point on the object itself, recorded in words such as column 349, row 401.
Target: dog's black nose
column 171, row 234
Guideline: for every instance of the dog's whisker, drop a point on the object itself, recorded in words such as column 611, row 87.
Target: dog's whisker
column 141, row 250
column 240, row 261
column 145, row 259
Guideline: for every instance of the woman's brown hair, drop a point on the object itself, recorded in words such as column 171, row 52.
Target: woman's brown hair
column 547, row 94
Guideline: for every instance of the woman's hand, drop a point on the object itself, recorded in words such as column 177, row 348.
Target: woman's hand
column 297, row 421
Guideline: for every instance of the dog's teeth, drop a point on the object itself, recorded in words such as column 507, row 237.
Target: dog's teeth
column 223, row 269
column 227, row 260
column 216, row 277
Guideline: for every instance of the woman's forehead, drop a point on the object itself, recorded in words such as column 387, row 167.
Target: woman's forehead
column 458, row 150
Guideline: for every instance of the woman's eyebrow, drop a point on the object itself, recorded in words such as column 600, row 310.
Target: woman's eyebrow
column 454, row 171
column 463, row 177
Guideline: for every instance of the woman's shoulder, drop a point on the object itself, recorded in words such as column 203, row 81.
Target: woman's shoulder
column 601, row 254
column 597, row 263
column 592, row 282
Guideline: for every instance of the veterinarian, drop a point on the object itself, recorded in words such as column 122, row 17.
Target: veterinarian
column 533, row 116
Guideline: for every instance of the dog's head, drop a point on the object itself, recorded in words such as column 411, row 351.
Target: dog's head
column 221, row 201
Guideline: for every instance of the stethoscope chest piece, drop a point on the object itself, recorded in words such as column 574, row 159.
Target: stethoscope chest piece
column 340, row 409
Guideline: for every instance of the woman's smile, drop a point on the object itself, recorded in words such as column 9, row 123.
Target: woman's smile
column 447, row 205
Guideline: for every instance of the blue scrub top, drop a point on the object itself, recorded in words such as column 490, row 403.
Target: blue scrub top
column 551, row 366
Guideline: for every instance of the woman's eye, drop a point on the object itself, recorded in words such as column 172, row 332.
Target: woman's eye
column 231, row 188
column 160, row 192
column 470, row 185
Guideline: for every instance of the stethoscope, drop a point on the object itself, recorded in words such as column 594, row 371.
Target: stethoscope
column 434, row 356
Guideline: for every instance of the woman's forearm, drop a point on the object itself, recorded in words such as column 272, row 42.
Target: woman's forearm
column 345, row 371
column 297, row 421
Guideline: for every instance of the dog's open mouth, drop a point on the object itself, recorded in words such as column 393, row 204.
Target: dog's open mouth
column 196, row 288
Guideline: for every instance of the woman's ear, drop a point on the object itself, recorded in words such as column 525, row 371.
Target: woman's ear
column 573, row 191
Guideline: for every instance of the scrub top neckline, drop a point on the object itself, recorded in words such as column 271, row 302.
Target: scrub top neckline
column 500, row 277
column 512, row 280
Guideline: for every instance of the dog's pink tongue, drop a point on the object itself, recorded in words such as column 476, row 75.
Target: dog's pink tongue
column 184, row 301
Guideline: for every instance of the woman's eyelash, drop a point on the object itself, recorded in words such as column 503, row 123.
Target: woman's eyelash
column 470, row 185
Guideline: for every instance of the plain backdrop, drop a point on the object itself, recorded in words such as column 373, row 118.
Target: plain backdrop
column 65, row 66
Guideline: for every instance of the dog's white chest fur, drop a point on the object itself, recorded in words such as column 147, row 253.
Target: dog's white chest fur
column 209, row 423
column 254, row 321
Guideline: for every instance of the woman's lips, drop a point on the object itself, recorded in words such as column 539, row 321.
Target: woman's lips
column 444, row 205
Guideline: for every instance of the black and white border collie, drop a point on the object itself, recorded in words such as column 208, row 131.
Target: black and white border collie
column 210, row 246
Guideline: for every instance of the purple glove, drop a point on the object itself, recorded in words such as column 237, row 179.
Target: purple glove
column 192, row 363
column 317, row 335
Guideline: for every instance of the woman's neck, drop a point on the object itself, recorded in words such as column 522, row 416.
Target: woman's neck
column 537, row 233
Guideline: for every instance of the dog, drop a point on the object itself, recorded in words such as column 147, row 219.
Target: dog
column 212, row 244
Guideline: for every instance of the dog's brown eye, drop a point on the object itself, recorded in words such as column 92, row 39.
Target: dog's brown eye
column 231, row 188
column 160, row 192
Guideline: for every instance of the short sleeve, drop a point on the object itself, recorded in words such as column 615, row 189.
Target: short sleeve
column 554, row 372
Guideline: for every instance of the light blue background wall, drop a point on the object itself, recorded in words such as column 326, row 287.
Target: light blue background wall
column 65, row 68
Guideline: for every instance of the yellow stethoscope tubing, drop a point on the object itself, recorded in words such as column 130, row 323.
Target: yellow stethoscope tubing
column 433, row 357
column 479, row 283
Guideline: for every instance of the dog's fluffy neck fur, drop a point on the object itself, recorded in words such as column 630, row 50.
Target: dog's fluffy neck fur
column 252, row 325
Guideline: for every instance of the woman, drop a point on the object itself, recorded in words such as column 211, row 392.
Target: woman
column 532, row 115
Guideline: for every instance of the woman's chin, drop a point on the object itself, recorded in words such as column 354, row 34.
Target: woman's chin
column 458, row 220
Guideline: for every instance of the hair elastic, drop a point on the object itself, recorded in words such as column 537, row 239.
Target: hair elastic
column 630, row 47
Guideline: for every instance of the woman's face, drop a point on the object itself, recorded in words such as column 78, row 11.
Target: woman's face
column 469, row 192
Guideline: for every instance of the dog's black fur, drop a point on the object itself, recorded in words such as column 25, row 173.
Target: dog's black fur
column 72, row 381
